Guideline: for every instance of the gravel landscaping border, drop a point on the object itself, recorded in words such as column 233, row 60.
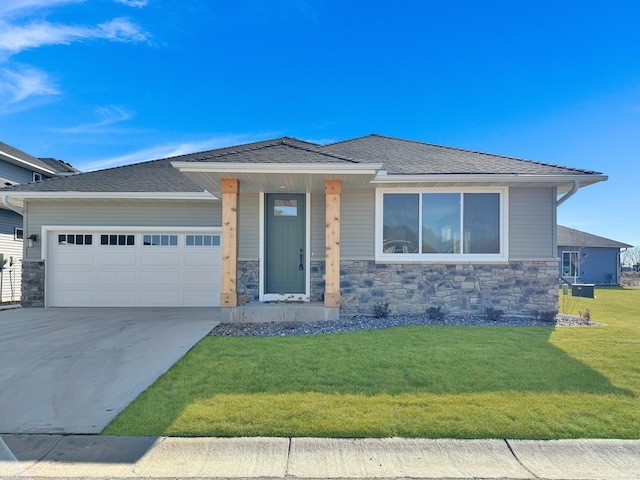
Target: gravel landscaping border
column 364, row 322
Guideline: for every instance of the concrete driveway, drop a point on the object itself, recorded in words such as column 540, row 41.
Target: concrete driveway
column 72, row 370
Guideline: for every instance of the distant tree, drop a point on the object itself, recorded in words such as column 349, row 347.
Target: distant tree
column 631, row 257
column 575, row 256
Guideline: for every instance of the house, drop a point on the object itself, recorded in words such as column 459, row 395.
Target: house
column 348, row 225
column 18, row 167
column 587, row 258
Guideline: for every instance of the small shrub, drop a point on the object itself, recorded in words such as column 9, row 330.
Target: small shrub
column 435, row 314
column 586, row 316
column 381, row 310
column 493, row 314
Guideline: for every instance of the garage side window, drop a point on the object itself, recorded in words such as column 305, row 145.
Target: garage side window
column 74, row 239
column 160, row 240
column 117, row 239
column 202, row 240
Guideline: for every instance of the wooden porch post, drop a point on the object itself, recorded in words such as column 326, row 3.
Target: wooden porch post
column 332, row 190
column 228, row 294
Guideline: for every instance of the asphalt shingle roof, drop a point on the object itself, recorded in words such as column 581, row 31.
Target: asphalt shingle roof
column 153, row 176
column 14, row 152
column 570, row 237
column 409, row 157
column 397, row 155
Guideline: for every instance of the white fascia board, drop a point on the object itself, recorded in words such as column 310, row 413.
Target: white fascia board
column 67, row 195
column 26, row 163
column 485, row 178
column 305, row 168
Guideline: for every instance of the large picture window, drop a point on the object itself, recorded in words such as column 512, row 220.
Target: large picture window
column 441, row 225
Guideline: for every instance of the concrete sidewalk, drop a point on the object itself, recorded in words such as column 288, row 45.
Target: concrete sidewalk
column 70, row 457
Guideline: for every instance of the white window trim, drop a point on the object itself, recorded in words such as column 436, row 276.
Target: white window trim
column 450, row 258
column 15, row 234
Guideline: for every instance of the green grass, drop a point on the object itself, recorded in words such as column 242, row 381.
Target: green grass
column 457, row 382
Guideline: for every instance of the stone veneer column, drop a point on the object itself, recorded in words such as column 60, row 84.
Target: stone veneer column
column 32, row 283
column 229, row 191
column 332, row 190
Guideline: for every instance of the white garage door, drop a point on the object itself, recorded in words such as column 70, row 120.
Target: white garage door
column 133, row 269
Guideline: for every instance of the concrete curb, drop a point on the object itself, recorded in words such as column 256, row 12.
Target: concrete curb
column 89, row 456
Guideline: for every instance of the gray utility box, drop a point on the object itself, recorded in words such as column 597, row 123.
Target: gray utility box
column 583, row 290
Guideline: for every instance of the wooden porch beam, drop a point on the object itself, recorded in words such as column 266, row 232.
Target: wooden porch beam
column 332, row 190
column 229, row 191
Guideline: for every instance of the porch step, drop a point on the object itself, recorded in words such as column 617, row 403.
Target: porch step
column 280, row 312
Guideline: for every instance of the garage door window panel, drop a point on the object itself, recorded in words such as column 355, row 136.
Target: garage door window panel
column 118, row 240
column 203, row 240
column 160, row 240
column 74, row 239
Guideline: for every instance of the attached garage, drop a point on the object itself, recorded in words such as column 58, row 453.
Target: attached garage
column 129, row 267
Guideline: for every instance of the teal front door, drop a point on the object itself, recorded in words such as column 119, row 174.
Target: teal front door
column 285, row 243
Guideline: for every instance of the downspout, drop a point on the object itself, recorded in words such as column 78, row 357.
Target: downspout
column 11, row 206
column 569, row 194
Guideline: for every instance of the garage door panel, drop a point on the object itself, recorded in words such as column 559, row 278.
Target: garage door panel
column 132, row 275
column 197, row 278
column 77, row 297
column 164, row 259
column 74, row 277
column 117, row 278
column 211, row 257
column 116, row 258
column 164, row 277
column 116, row 298
column 75, row 257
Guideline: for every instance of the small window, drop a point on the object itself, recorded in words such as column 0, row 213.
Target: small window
column 160, row 240
column 74, row 239
column 117, row 239
column 18, row 234
column 203, row 240
column 285, row 208
column 37, row 177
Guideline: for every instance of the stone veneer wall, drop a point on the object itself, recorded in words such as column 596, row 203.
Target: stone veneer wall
column 516, row 288
column 249, row 279
column 32, row 283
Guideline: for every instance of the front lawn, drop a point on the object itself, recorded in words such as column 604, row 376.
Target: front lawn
column 421, row 381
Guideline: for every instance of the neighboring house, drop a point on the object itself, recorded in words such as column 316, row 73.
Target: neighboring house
column 587, row 258
column 352, row 224
column 17, row 167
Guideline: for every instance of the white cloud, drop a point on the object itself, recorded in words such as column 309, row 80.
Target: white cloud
column 14, row 39
column 23, row 27
column 108, row 115
column 11, row 7
column 133, row 3
column 23, row 82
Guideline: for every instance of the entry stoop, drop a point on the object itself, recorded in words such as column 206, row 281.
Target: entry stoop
column 280, row 312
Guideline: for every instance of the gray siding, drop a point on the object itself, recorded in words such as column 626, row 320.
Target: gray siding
column 249, row 226
column 11, row 274
column 357, row 233
column 531, row 223
column 15, row 173
column 119, row 212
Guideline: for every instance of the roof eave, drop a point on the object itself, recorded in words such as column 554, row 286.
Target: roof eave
column 17, row 198
column 26, row 164
column 491, row 178
column 308, row 168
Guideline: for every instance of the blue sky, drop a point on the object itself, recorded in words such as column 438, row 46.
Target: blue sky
column 100, row 83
